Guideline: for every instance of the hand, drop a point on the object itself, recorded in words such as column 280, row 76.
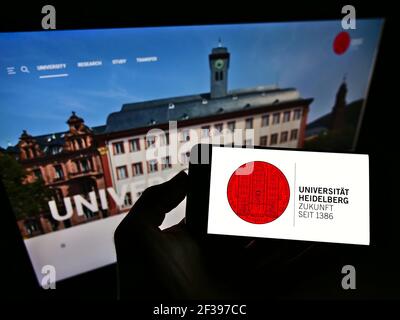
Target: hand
column 172, row 264
column 154, row 263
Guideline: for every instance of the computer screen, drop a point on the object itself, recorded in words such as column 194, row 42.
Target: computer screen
column 91, row 118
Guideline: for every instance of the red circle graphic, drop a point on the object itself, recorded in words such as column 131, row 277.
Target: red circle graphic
column 258, row 192
column 341, row 42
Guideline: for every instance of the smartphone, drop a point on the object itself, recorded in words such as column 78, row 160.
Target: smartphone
column 278, row 194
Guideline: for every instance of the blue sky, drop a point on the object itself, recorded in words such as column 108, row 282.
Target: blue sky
column 293, row 54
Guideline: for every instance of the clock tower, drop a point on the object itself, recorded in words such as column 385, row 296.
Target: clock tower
column 219, row 64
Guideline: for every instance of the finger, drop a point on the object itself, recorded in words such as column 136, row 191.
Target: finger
column 155, row 202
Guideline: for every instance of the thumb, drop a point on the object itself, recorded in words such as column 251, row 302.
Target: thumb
column 155, row 202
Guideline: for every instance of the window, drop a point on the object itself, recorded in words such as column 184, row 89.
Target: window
column 137, row 169
column 297, row 114
column 38, row 174
column 86, row 165
column 276, row 118
column 152, row 166
column 55, row 150
column 28, row 153
column 286, row 116
column 284, row 136
column 122, row 173
column 59, row 172
column 293, row 134
column 134, row 145
column 218, row 127
column 231, row 125
column 205, row 131
column 274, row 139
column 185, row 135
column 249, row 123
column 265, row 120
column 31, row 226
column 77, row 166
column 118, row 147
column 164, row 138
column 150, row 141
column 88, row 213
column 128, row 199
column 248, row 142
column 263, row 141
column 80, row 144
column 219, row 76
column 166, row 163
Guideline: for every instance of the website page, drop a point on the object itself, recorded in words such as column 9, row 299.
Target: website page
column 90, row 118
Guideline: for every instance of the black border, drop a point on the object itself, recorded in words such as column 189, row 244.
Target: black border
column 377, row 135
column 120, row 14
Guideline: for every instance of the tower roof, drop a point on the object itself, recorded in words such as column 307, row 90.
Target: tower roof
column 25, row 135
column 74, row 118
column 219, row 50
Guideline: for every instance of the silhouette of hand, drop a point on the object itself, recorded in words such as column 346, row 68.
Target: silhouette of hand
column 170, row 263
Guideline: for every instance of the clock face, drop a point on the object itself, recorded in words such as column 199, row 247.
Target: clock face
column 219, row 64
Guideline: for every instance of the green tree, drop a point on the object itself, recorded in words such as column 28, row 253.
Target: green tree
column 27, row 199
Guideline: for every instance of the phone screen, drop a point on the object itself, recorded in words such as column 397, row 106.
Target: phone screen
column 298, row 195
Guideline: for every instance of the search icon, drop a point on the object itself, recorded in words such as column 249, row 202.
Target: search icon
column 25, row 69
